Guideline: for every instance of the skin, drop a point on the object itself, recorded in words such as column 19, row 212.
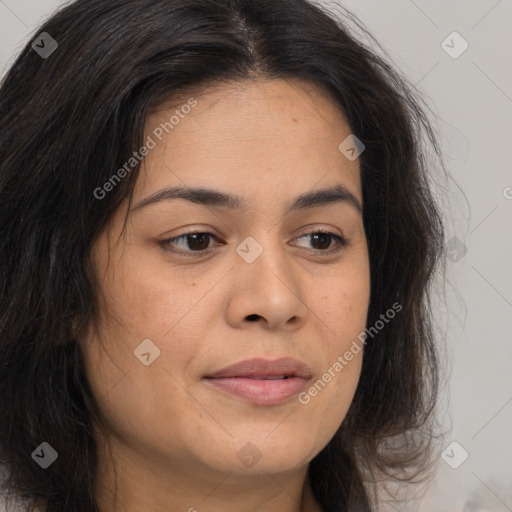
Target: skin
column 174, row 439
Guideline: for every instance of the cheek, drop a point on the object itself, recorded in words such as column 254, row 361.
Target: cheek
column 138, row 304
column 342, row 305
column 131, row 394
column 342, row 308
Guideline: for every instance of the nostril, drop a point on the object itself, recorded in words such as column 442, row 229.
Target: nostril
column 254, row 317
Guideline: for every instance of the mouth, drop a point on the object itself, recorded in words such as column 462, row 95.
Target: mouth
column 260, row 381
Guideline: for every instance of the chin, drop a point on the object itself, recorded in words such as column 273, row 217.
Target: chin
column 262, row 454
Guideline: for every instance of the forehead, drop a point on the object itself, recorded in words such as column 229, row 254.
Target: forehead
column 254, row 103
column 253, row 135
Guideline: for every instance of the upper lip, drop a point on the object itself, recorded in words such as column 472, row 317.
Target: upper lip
column 258, row 367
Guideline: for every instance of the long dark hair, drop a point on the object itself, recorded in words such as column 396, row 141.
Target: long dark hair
column 70, row 119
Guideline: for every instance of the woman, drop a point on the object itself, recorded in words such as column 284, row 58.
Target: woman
column 218, row 237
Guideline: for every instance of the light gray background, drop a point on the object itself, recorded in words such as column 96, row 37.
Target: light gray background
column 471, row 97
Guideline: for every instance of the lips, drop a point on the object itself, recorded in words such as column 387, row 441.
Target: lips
column 261, row 381
column 263, row 368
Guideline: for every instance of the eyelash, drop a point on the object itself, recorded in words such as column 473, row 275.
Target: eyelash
column 342, row 242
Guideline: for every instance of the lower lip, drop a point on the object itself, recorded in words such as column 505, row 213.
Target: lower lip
column 260, row 391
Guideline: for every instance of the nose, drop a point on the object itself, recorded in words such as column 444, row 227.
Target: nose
column 267, row 292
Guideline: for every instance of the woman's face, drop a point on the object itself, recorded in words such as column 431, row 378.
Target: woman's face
column 258, row 284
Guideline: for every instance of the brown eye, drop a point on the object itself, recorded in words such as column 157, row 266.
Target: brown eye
column 321, row 240
column 189, row 242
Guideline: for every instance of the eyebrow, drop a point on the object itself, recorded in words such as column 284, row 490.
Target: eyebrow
column 209, row 197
